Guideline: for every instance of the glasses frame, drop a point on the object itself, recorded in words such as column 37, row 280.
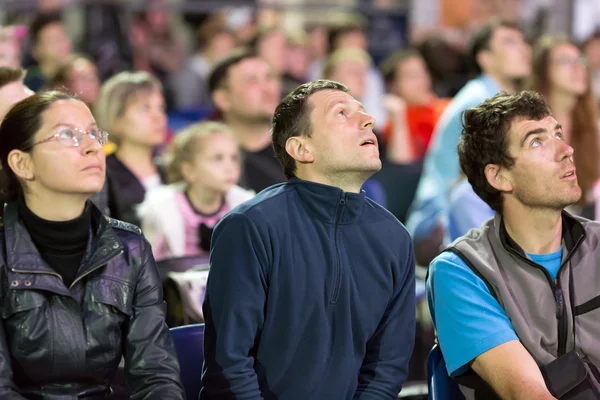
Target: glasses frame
column 77, row 139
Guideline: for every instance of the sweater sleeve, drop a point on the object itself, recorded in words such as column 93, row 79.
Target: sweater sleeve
column 385, row 366
column 238, row 265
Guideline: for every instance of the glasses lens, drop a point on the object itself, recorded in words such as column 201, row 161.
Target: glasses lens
column 67, row 137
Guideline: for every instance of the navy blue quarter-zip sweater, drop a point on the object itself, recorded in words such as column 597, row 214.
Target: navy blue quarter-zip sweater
column 310, row 295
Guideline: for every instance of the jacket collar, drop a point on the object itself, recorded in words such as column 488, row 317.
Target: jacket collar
column 22, row 256
column 573, row 233
column 329, row 203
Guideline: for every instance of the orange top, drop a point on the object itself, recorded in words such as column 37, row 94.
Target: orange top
column 421, row 123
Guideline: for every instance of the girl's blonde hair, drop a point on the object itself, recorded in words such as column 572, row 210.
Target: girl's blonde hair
column 187, row 143
column 117, row 92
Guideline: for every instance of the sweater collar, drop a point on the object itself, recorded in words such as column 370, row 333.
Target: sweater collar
column 329, row 203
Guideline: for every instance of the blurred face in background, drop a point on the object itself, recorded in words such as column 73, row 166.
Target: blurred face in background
column 508, row 56
column 273, row 48
column 413, row 82
column 251, row 92
column 83, row 80
column 11, row 94
column 54, row 45
column 568, row 70
column 352, row 40
column 10, row 53
column 144, row 121
column 353, row 74
column 298, row 60
column 221, row 44
column 216, row 164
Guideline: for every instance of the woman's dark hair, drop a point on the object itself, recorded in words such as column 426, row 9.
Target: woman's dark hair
column 18, row 130
column 485, row 137
column 584, row 117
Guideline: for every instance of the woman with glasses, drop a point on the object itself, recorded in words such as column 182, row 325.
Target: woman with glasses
column 560, row 73
column 78, row 290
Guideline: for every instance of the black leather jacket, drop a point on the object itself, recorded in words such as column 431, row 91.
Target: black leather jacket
column 61, row 343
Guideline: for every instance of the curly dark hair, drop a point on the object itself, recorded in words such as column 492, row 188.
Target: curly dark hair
column 292, row 118
column 484, row 139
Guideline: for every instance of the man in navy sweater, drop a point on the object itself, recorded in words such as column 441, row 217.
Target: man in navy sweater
column 311, row 292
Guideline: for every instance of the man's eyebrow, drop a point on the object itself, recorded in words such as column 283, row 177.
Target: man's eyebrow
column 532, row 132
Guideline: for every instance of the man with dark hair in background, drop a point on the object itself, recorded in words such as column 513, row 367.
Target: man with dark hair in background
column 500, row 56
column 311, row 292
column 521, row 292
column 51, row 47
column 245, row 91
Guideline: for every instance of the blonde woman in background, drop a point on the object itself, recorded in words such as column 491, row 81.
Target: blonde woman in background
column 132, row 108
column 204, row 167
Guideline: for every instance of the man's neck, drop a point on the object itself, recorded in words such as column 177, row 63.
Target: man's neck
column 351, row 183
column 251, row 137
column 506, row 85
column 535, row 231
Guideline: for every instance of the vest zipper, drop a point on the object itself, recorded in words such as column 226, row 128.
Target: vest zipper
column 337, row 281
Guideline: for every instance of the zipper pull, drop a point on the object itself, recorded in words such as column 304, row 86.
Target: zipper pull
column 343, row 199
column 559, row 297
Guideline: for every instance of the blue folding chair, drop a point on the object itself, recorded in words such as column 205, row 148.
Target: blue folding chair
column 189, row 342
column 441, row 386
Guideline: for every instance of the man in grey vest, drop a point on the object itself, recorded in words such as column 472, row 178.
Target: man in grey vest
column 516, row 303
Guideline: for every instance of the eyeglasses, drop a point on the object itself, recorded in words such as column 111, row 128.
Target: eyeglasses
column 570, row 61
column 72, row 137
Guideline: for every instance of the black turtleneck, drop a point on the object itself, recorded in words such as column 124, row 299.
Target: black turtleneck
column 61, row 244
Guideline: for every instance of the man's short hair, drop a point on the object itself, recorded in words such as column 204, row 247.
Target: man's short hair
column 218, row 75
column 292, row 118
column 480, row 40
column 40, row 22
column 10, row 75
column 485, row 137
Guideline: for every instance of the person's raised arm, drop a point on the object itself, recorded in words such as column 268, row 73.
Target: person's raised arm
column 234, row 304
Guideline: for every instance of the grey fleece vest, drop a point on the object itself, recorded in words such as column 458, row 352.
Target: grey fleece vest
column 543, row 311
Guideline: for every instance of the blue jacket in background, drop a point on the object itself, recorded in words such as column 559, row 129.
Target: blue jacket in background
column 311, row 295
column 440, row 167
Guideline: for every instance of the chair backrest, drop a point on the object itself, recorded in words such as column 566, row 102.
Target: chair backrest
column 189, row 342
column 441, row 386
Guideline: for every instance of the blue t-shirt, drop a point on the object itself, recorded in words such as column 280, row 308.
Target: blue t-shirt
column 469, row 321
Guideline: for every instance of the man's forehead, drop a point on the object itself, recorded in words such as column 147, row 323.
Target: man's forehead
column 250, row 66
column 328, row 97
column 505, row 31
column 524, row 124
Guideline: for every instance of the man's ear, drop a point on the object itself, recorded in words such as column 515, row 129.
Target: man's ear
column 21, row 164
column 498, row 178
column 299, row 149
column 221, row 99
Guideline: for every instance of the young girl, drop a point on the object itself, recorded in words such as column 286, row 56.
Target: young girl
column 80, row 291
column 204, row 167
column 132, row 108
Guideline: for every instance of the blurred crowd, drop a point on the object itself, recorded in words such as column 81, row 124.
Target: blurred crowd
column 188, row 100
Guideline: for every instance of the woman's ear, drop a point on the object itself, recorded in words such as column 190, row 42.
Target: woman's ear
column 21, row 164
column 497, row 178
column 299, row 149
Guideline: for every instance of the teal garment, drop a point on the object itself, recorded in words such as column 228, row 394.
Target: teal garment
column 440, row 167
